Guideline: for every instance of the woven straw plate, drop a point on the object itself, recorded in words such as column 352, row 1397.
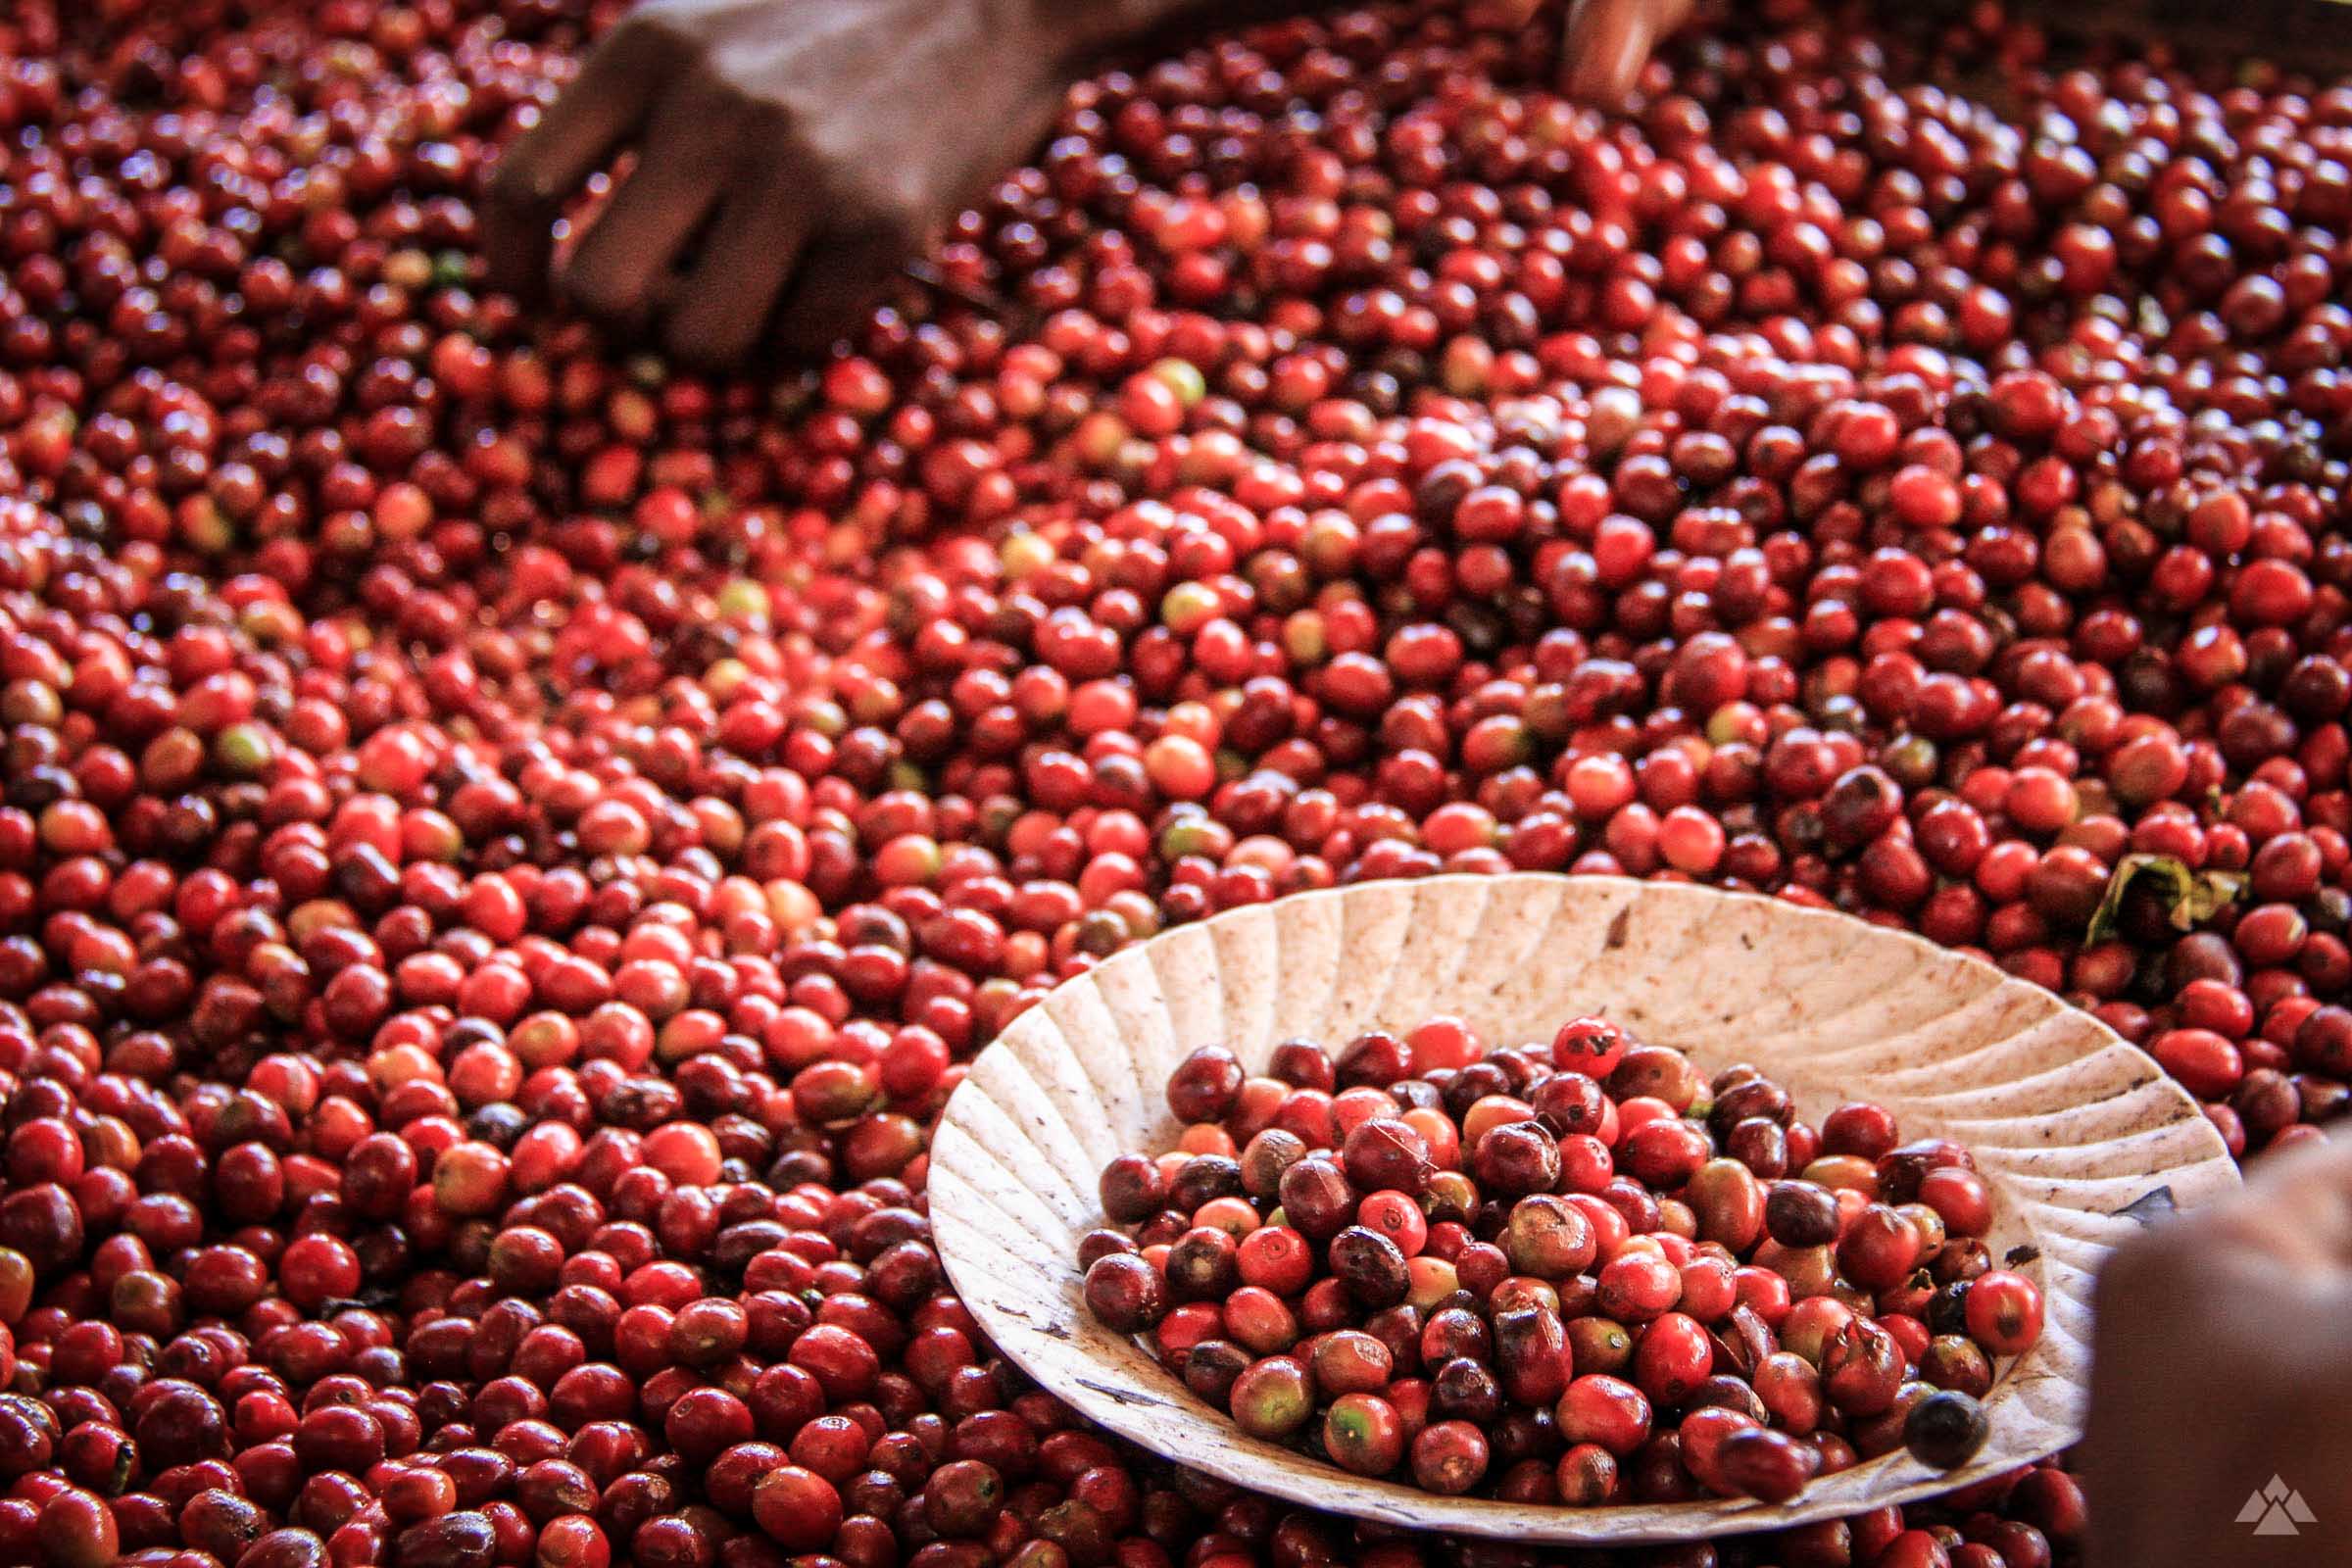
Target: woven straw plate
column 2069, row 1124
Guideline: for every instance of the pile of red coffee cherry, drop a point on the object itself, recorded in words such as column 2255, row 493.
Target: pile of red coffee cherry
column 1580, row 1275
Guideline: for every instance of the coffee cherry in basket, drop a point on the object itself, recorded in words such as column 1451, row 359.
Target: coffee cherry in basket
column 1945, row 1429
column 1126, row 1292
column 1767, row 1465
column 1273, row 1398
column 1133, row 1189
column 1204, row 1084
column 1580, row 1274
column 1800, row 1214
column 1385, row 1152
column 1364, row 1433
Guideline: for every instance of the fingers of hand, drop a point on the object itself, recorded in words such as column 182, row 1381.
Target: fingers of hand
column 1608, row 41
column 577, row 135
column 751, row 251
column 682, row 163
column 1606, row 44
column 840, row 275
column 1504, row 13
column 717, row 187
column 2235, row 1278
column 2295, row 1211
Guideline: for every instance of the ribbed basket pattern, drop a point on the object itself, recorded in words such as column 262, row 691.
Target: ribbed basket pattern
column 2068, row 1122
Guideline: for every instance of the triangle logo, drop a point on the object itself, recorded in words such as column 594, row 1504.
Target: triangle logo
column 2276, row 1509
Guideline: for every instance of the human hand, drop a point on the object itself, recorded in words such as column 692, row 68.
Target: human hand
column 789, row 156
column 2223, row 1359
column 1608, row 41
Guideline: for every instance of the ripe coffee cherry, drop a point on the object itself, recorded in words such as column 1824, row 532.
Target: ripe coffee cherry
column 503, row 836
column 1313, row 1297
column 1133, row 1189
column 1204, row 1084
column 1317, row 1197
column 1125, row 1293
column 1800, row 1214
column 1387, row 1154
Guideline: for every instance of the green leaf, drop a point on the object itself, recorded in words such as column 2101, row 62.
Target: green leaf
column 2190, row 897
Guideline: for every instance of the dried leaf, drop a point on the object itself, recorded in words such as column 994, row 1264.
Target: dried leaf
column 2190, row 897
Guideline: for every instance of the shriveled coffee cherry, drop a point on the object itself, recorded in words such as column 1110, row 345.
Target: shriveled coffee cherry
column 1346, row 1359
column 1465, row 1389
column 1370, row 1266
column 1861, row 1367
column 1788, row 1387
column 1203, row 1265
column 1516, row 1159
column 1212, row 1367
column 1586, row 1475
column 1955, row 1361
column 1263, row 1160
column 1901, row 1171
column 1548, row 1239
column 1569, row 1101
column 1532, row 1355
column 1203, row 1180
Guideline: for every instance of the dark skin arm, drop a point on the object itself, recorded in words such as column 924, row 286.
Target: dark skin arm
column 791, row 155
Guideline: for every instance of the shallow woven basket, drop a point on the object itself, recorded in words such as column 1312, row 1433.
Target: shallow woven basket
column 2068, row 1123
